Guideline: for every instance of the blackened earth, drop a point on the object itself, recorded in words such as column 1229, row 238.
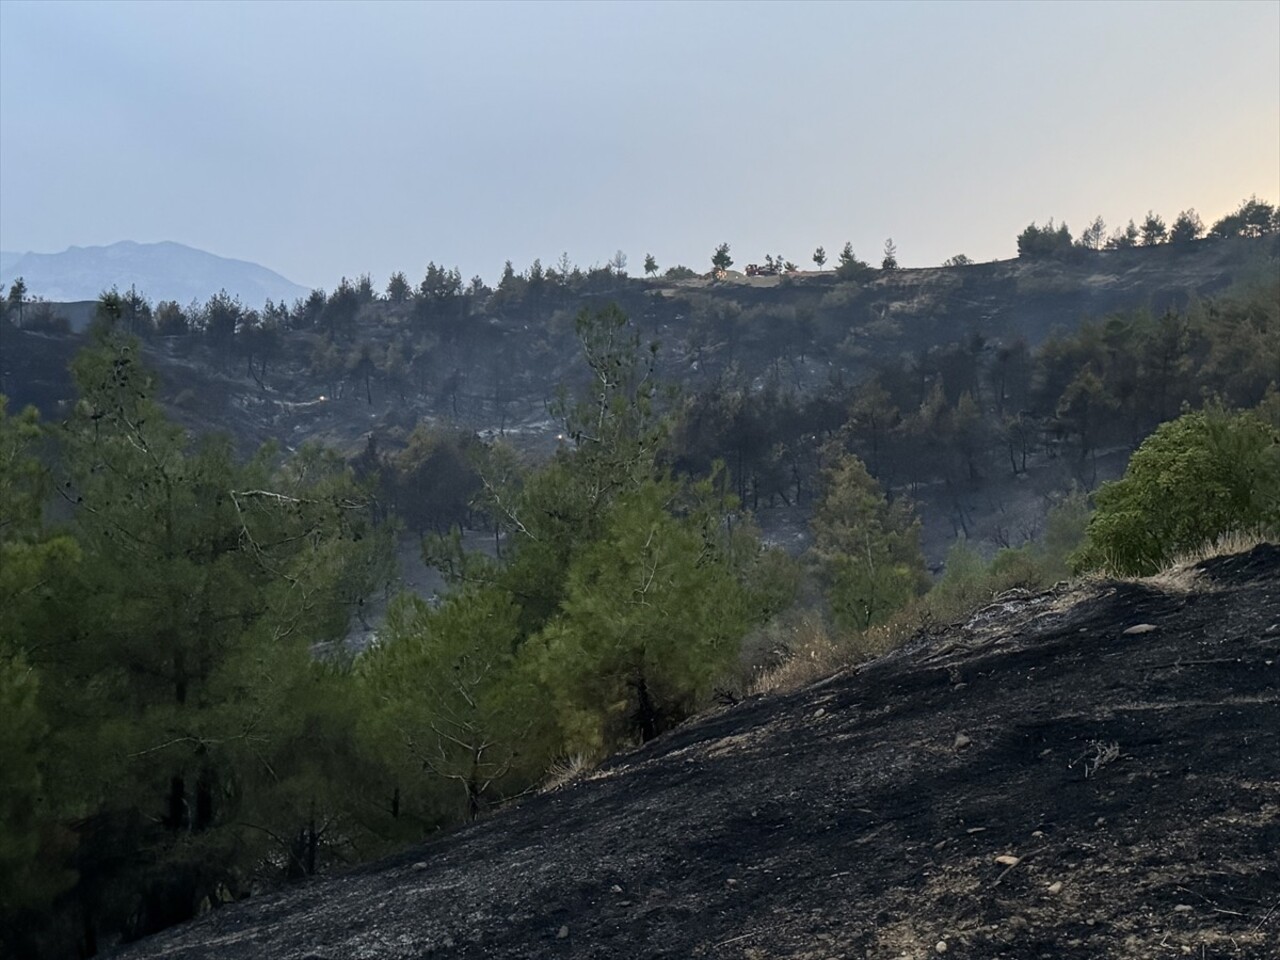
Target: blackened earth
column 1134, row 776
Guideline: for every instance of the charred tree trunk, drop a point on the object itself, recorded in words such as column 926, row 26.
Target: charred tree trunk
column 176, row 805
column 473, row 787
column 646, row 711
column 203, row 819
column 88, row 932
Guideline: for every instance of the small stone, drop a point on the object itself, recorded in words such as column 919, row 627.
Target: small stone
column 962, row 741
column 420, row 865
column 940, row 946
column 1008, row 859
column 1140, row 628
column 615, row 889
column 1182, row 908
column 1100, row 822
column 940, row 844
column 976, row 830
column 819, row 713
column 563, row 933
column 1055, row 888
column 731, row 882
column 1037, row 833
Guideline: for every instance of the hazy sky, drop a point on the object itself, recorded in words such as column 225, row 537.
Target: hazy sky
column 323, row 139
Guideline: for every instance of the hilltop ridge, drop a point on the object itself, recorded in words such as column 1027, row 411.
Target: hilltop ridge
column 507, row 361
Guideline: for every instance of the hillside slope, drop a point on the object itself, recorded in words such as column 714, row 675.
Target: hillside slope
column 1121, row 739
column 517, row 356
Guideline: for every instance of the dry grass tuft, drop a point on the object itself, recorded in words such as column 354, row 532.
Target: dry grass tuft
column 818, row 651
column 813, row 653
column 1227, row 544
column 565, row 771
column 1179, row 574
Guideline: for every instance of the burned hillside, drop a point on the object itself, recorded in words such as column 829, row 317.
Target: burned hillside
column 981, row 392
column 1086, row 772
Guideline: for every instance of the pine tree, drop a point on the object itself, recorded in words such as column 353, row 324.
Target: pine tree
column 890, row 261
column 866, row 551
column 452, row 693
column 652, row 614
column 36, row 565
column 202, row 587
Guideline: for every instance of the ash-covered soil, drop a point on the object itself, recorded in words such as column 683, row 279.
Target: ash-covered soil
column 1089, row 772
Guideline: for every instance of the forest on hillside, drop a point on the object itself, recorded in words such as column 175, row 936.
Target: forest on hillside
column 985, row 353
column 182, row 731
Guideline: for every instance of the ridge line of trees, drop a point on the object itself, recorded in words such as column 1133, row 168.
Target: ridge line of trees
column 1253, row 218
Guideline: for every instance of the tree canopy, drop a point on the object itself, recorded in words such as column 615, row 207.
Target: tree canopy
column 1200, row 476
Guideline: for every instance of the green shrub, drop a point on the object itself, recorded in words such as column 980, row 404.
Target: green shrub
column 963, row 585
column 1025, row 567
column 1191, row 481
column 1064, row 531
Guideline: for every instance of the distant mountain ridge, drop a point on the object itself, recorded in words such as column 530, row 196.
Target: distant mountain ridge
column 161, row 271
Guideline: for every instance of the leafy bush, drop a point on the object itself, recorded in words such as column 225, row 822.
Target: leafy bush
column 963, row 585
column 1195, row 478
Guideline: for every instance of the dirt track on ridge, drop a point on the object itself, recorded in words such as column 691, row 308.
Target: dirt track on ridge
column 863, row 816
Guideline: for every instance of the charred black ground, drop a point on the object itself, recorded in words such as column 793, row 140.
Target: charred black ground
column 1121, row 740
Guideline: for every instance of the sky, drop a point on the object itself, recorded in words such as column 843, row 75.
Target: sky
column 332, row 139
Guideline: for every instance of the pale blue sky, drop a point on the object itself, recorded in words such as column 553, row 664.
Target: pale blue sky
column 323, row 139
